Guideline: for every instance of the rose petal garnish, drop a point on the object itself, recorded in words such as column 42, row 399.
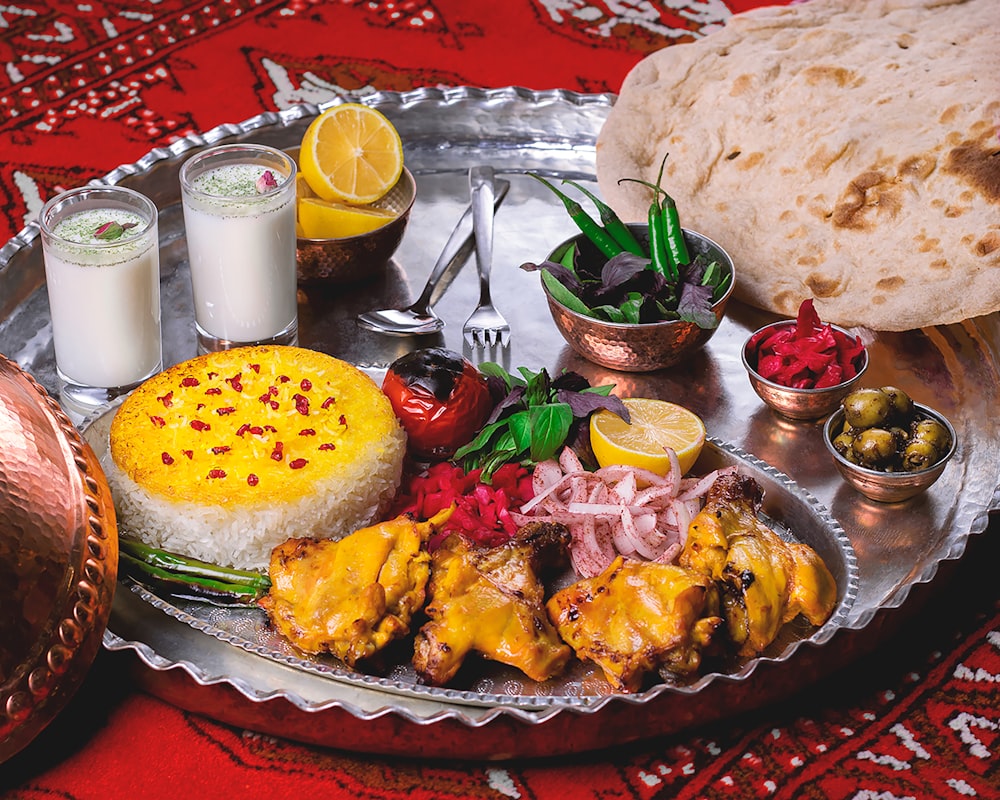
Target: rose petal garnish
column 266, row 182
column 112, row 230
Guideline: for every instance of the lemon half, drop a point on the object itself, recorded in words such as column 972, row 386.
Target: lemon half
column 655, row 425
column 351, row 153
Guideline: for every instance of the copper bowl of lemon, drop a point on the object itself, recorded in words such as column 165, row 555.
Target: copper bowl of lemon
column 353, row 196
column 659, row 436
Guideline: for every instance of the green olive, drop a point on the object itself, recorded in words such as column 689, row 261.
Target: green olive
column 843, row 443
column 902, row 404
column 902, row 434
column 932, row 432
column 875, row 447
column 867, row 408
column 920, row 455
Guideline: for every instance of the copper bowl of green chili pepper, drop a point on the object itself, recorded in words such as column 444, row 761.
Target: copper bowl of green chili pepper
column 634, row 346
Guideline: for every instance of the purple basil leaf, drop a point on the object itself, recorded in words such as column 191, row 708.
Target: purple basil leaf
column 513, row 399
column 571, row 382
column 584, row 403
column 559, row 272
column 621, row 269
column 696, row 306
column 695, row 271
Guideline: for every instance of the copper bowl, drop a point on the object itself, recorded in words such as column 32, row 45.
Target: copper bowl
column 800, row 404
column 888, row 487
column 357, row 259
column 641, row 347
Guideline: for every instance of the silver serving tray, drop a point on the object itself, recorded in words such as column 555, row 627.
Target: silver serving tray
column 898, row 548
column 789, row 510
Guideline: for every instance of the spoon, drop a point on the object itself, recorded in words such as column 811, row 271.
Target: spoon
column 419, row 318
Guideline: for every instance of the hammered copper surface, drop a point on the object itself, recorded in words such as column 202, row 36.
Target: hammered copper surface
column 645, row 347
column 888, row 487
column 802, row 404
column 355, row 259
column 58, row 558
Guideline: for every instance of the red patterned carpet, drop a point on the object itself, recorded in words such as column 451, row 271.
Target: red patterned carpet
column 88, row 86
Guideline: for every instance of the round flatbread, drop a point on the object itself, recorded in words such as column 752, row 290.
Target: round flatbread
column 840, row 150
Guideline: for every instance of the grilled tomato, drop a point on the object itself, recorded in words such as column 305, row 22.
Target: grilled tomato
column 441, row 399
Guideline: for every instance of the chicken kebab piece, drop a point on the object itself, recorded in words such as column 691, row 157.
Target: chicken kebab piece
column 491, row 601
column 351, row 597
column 764, row 581
column 637, row 616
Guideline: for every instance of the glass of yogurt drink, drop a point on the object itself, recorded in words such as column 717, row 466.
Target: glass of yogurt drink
column 239, row 217
column 100, row 245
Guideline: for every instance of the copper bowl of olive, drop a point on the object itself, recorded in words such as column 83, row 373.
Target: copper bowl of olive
column 886, row 446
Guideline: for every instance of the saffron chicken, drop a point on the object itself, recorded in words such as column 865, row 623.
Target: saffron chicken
column 351, row 597
column 764, row 581
column 638, row 616
column 491, row 601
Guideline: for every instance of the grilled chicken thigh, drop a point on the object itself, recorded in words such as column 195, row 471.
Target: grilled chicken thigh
column 491, row 601
column 351, row 597
column 638, row 616
column 764, row 581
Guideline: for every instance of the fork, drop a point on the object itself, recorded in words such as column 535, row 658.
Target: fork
column 485, row 327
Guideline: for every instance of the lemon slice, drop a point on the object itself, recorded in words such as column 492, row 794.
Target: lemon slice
column 351, row 153
column 319, row 219
column 655, row 425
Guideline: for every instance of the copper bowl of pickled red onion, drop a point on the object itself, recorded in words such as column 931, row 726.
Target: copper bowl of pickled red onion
column 800, row 402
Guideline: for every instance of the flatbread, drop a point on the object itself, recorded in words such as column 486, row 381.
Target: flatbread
column 840, row 150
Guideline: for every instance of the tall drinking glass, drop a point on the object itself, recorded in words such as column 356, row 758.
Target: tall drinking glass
column 102, row 272
column 239, row 216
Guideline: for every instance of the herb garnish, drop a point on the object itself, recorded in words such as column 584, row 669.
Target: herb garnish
column 536, row 416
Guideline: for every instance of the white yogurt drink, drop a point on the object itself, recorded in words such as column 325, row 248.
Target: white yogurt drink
column 102, row 271
column 239, row 217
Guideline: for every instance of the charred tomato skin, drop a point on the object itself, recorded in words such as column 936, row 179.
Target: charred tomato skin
column 440, row 398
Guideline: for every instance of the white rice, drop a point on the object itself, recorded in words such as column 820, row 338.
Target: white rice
column 244, row 537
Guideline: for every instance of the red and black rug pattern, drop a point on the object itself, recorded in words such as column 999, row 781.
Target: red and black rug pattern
column 88, row 86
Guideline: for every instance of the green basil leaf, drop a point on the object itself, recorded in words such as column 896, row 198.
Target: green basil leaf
column 712, row 275
column 549, row 427
column 563, row 295
column 539, row 388
column 609, row 313
column 631, row 307
column 494, row 370
column 494, row 462
column 481, row 440
column 519, row 424
column 568, row 257
column 527, row 375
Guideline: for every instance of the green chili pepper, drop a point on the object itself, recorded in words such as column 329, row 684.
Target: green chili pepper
column 657, row 246
column 673, row 234
column 189, row 586
column 612, row 223
column 601, row 238
column 182, row 575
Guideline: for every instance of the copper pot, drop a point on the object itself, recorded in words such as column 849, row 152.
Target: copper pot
column 58, row 557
